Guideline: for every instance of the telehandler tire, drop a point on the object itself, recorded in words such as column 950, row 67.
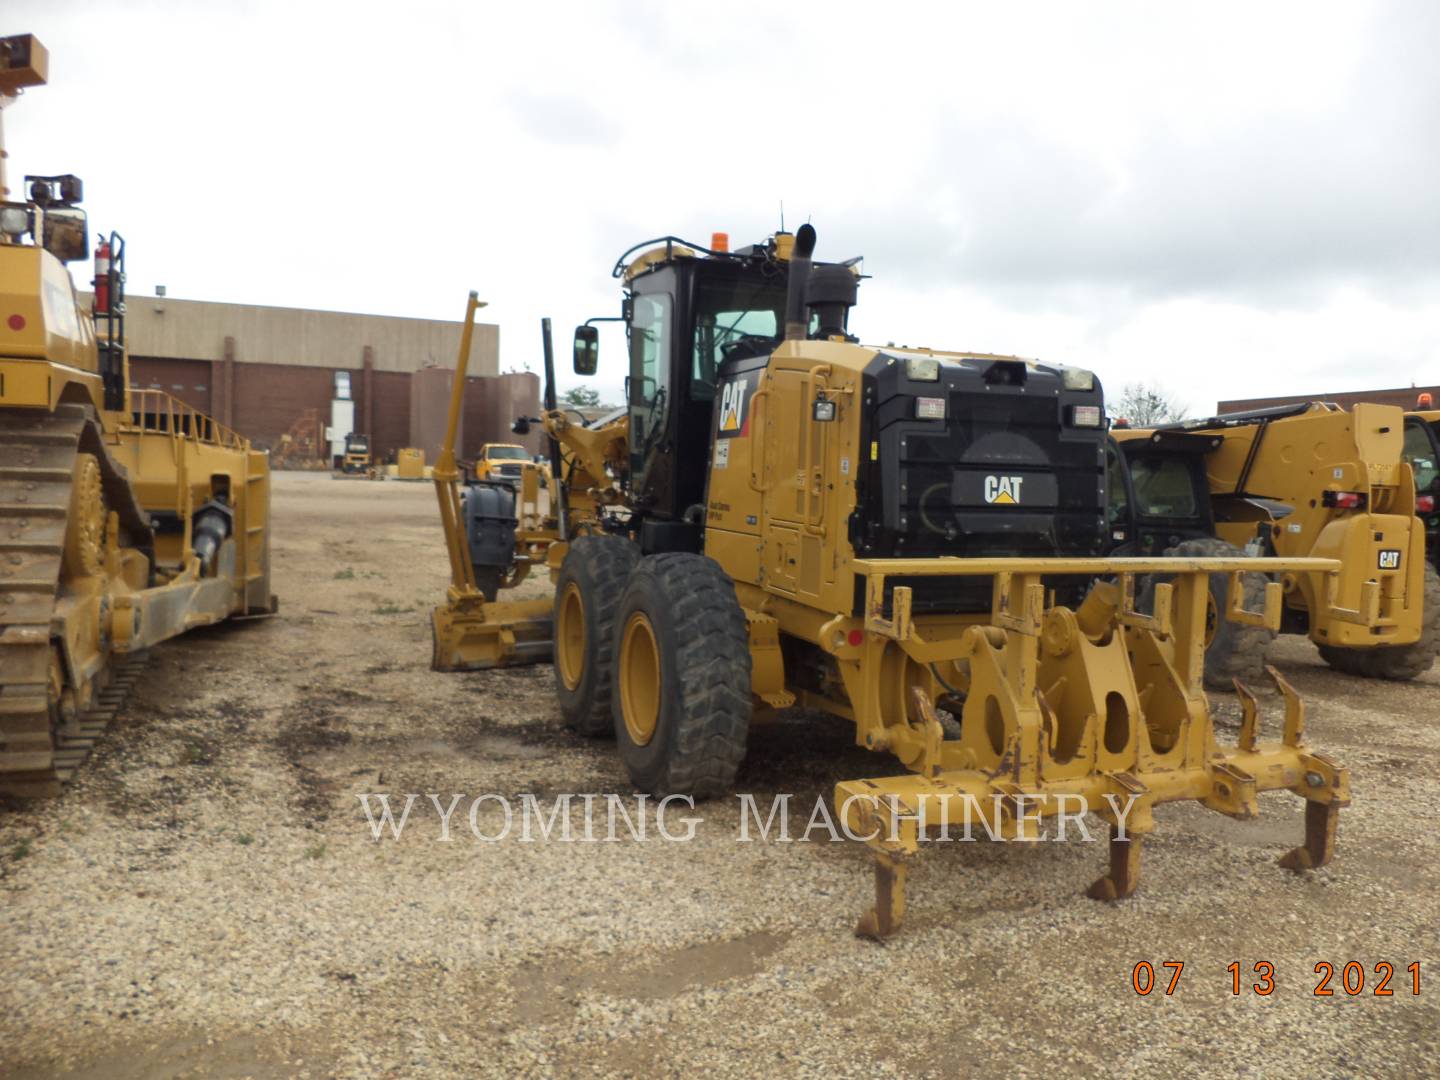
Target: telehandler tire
column 1232, row 651
column 682, row 699
column 1397, row 662
column 587, row 593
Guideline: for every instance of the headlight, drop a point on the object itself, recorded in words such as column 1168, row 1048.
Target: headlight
column 922, row 368
column 929, row 408
column 1075, row 378
column 14, row 220
column 1085, row 415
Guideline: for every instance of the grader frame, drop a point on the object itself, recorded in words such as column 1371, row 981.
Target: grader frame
column 1098, row 705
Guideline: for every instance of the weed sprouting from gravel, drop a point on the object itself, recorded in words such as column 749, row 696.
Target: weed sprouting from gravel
column 244, row 839
column 22, row 849
column 348, row 574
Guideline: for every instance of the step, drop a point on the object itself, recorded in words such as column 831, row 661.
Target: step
column 29, row 510
column 35, row 472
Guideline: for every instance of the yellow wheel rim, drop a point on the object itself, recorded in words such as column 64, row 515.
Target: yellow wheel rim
column 570, row 636
column 639, row 679
column 86, row 535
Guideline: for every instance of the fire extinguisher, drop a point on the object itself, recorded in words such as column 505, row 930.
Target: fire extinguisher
column 102, row 278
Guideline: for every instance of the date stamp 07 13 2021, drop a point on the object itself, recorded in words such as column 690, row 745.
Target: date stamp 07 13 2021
column 1349, row 979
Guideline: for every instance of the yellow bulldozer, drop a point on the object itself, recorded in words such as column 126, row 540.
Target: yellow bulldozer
column 1305, row 479
column 126, row 517
column 911, row 540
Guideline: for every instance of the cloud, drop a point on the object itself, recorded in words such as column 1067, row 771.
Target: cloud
column 563, row 120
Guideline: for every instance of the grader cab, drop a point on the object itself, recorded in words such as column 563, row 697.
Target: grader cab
column 787, row 517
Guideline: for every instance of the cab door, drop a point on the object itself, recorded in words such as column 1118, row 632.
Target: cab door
column 797, row 485
column 648, row 387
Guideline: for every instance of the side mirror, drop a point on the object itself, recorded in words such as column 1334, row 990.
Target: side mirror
column 587, row 350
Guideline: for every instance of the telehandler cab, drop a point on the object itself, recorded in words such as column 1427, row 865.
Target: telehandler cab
column 786, row 517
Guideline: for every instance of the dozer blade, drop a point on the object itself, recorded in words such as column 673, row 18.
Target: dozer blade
column 469, row 634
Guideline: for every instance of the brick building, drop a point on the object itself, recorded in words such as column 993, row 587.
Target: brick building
column 1406, row 397
column 258, row 369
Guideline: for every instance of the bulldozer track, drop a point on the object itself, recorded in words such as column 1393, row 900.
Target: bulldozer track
column 37, row 463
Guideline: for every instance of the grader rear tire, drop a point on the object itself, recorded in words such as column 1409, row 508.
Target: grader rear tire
column 1232, row 651
column 682, row 653
column 588, row 591
column 1397, row 662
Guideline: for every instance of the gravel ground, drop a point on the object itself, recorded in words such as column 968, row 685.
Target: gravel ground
column 207, row 899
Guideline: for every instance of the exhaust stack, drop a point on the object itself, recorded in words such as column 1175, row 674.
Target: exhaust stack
column 796, row 317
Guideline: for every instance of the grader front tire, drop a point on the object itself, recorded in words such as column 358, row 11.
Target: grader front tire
column 682, row 706
column 588, row 591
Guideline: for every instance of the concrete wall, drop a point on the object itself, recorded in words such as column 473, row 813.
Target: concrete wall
column 165, row 328
column 1405, row 397
column 507, row 397
column 430, row 410
column 395, row 409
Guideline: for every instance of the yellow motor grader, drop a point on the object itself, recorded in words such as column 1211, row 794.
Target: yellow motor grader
column 1305, row 479
column 786, row 517
column 126, row 517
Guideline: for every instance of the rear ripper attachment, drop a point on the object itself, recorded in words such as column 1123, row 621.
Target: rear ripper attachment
column 1097, row 709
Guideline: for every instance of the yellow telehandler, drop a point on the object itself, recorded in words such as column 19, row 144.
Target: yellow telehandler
column 1292, row 480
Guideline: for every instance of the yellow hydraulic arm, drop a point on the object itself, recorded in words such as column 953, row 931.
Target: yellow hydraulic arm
column 447, row 476
column 469, row 633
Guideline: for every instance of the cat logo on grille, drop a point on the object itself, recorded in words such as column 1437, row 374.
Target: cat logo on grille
column 1003, row 490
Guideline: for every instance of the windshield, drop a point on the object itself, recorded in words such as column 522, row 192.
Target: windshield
column 1420, row 453
column 1163, row 488
column 728, row 310
column 507, row 453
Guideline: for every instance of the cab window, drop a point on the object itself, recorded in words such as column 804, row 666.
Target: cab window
column 506, row 453
column 650, row 326
column 1420, row 453
column 1164, row 488
column 727, row 312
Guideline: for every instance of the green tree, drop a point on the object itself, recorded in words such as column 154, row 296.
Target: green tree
column 582, row 397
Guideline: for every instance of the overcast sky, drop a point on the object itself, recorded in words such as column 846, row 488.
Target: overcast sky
column 1230, row 200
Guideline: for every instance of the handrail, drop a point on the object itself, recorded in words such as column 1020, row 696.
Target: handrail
column 160, row 412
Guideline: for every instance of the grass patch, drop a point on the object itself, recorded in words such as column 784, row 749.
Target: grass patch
column 22, row 849
column 315, row 851
column 391, row 609
column 348, row 574
column 244, row 839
